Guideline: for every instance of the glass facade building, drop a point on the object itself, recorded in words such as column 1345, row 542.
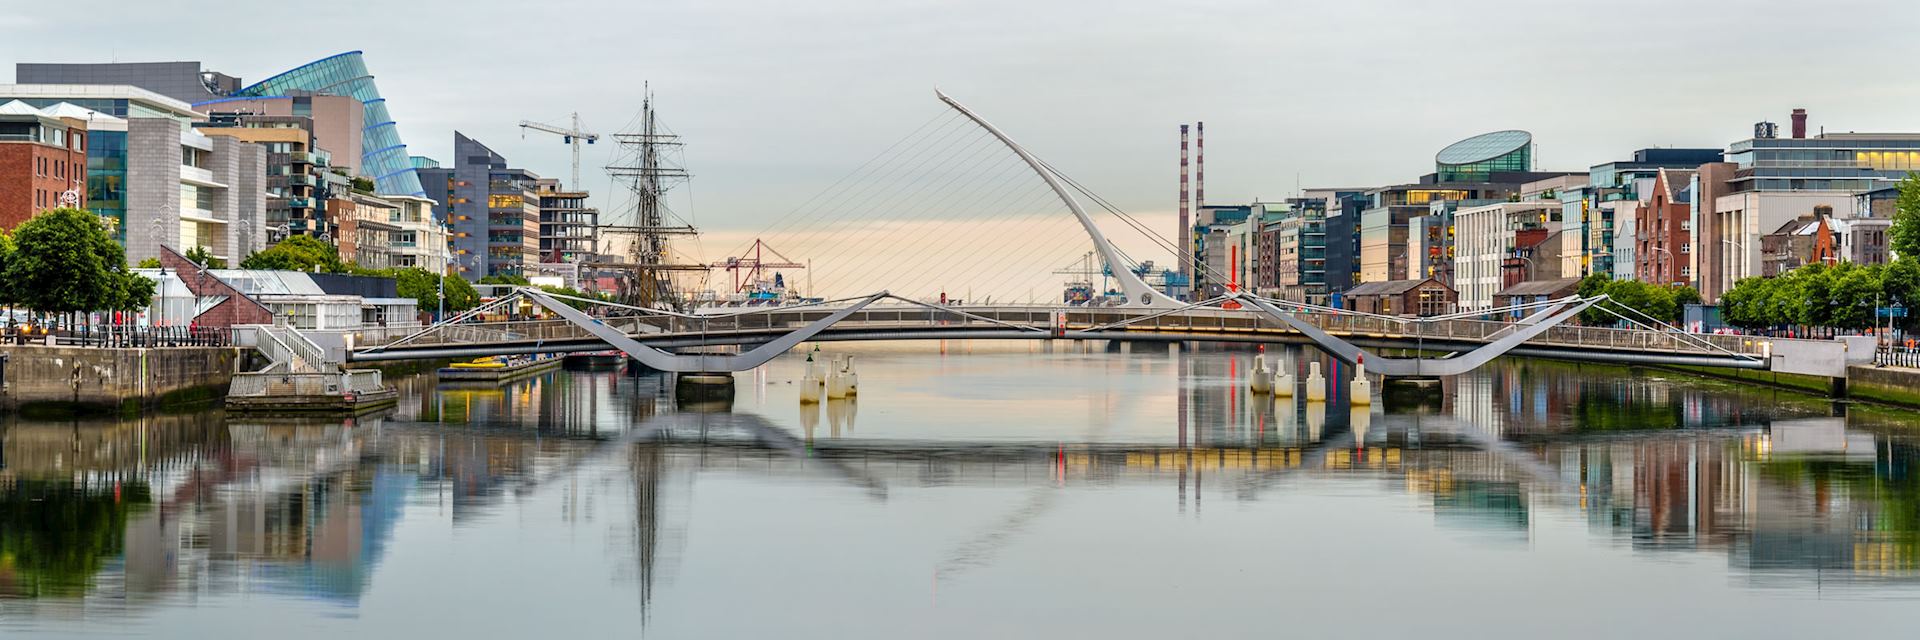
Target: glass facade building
column 1828, row 162
column 1476, row 159
column 383, row 156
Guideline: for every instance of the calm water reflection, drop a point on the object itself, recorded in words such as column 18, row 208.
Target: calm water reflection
column 978, row 489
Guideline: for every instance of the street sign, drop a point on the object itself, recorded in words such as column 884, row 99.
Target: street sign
column 1891, row 312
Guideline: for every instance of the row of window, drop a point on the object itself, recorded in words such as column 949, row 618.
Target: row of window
column 50, row 167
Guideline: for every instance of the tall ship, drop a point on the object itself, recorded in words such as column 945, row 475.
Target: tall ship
column 638, row 244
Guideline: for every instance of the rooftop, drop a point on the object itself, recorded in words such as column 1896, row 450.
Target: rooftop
column 102, row 92
column 1486, row 146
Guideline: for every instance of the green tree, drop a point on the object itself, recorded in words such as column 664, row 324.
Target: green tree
column 461, row 296
column 63, row 262
column 297, row 253
column 1904, row 238
column 204, row 257
column 7, row 296
column 148, row 263
column 1748, row 304
column 1852, row 296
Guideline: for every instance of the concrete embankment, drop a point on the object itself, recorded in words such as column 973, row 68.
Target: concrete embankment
column 1890, row 385
column 99, row 379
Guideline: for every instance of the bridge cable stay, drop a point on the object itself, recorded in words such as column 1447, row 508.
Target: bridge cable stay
column 944, row 183
column 1138, row 293
column 456, row 320
column 948, row 178
column 693, row 363
column 845, row 182
column 1349, row 353
column 1666, row 328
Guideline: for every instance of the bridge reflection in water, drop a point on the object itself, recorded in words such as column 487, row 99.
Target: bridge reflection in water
column 121, row 518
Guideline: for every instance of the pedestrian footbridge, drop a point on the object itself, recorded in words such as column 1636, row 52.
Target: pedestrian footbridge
column 1392, row 346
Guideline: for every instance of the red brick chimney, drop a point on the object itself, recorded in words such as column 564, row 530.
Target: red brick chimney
column 1799, row 123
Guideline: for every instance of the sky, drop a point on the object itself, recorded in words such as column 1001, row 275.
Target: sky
column 778, row 100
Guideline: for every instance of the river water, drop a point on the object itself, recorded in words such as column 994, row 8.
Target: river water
column 976, row 490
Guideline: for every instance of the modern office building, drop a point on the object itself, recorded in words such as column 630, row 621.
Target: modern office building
column 107, row 109
column 1609, row 204
column 418, row 238
column 1777, row 180
column 336, row 122
column 189, row 191
column 1476, row 159
column 1500, row 245
column 1213, row 254
column 383, row 155
column 308, row 90
column 1300, row 245
column 567, row 224
column 1478, row 170
column 298, row 185
column 183, row 81
column 492, row 211
column 43, row 162
column 1343, row 244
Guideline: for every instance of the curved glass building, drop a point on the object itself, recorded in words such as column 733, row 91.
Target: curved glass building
column 1477, row 158
column 382, row 155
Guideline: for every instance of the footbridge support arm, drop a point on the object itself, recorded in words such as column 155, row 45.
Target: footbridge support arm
column 694, row 363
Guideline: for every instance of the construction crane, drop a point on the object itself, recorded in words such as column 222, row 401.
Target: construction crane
column 571, row 136
column 755, row 266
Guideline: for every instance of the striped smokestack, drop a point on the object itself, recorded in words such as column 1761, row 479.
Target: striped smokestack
column 1200, row 165
column 1185, row 259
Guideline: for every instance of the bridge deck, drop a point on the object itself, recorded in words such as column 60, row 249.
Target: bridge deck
column 883, row 322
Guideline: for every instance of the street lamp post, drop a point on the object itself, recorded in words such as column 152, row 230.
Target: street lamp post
column 1670, row 261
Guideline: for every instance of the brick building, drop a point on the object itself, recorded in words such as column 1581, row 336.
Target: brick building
column 43, row 160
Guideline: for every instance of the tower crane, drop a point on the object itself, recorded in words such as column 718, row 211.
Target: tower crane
column 572, row 136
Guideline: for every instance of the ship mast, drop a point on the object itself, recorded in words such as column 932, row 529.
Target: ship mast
column 647, row 169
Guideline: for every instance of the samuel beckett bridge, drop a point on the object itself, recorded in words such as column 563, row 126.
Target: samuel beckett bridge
column 720, row 341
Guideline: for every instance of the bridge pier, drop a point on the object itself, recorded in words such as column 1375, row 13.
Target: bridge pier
column 703, row 388
column 1411, row 391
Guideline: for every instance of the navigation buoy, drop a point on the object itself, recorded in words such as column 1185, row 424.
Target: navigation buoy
column 1316, row 384
column 1283, row 382
column 1260, row 379
column 1360, row 392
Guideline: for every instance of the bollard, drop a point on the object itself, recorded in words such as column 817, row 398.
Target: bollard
column 1316, row 384
column 1259, row 379
column 1360, row 392
column 1283, row 382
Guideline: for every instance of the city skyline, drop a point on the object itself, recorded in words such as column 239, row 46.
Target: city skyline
column 859, row 83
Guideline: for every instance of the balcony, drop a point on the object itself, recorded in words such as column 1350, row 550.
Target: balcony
column 300, row 203
column 300, row 179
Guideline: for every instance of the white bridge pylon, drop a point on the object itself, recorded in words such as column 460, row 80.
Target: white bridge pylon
column 1138, row 292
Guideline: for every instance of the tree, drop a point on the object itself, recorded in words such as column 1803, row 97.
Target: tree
column 203, row 257
column 6, row 256
column 460, row 295
column 148, row 263
column 63, row 262
column 297, row 253
column 1634, row 299
column 1747, row 304
column 1904, row 238
column 1854, row 292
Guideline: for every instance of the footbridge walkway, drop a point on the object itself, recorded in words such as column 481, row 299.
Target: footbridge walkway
column 1451, row 344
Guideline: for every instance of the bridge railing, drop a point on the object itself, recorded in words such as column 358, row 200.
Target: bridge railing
column 1198, row 320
